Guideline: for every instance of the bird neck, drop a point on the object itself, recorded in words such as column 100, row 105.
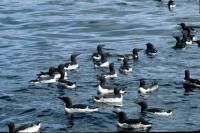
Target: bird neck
column 68, row 104
column 62, row 74
column 111, row 68
column 102, row 82
column 144, row 107
column 122, row 118
column 187, row 76
column 99, row 50
column 73, row 60
column 12, row 128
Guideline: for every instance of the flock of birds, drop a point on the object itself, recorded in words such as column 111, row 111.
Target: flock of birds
column 112, row 94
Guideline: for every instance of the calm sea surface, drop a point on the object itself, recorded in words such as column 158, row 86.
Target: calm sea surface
column 37, row 34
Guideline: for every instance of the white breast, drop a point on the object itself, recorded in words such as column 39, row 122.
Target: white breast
column 126, row 70
column 72, row 67
column 105, row 64
column 139, row 125
column 189, row 42
column 32, row 129
column 149, row 90
column 163, row 113
column 172, row 6
column 77, row 110
column 97, row 57
column 110, row 76
column 109, row 100
column 104, row 90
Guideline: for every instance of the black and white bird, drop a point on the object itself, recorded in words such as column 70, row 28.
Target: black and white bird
column 110, row 98
column 106, row 89
column 190, row 81
column 125, row 122
column 111, row 73
column 171, row 4
column 157, row 111
column 151, row 50
column 103, row 62
column 51, row 76
column 25, row 128
column 145, row 89
column 65, row 83
column 132, row 56
column 180, row 44
column 73, row 65
column 53, row 72
column 97, row 55
column 125, row 68
column 77, row 108
column 184, row 27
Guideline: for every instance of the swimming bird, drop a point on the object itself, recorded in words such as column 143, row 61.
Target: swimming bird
column 125, row 122
column 179, row 43
column 171, row 4
column 133, row 56
column 77, row 108
column 145, row 89
column 106, row 89
column 125, row 68
column 103, row 61
column 190, row 81
column 157, row 111
column 65, row 83
column 151, row 50
column 47, row 74
column 184, row 27
column 97, row 56
column 53, row 72
column 25, row 128
column 50, row 77
column 110, row 98
column 73, row 65
column 111, row 73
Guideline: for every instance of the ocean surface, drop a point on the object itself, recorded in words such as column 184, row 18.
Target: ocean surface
column 38, row 34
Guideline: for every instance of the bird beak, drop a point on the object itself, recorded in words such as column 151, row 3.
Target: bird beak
column 61, row 98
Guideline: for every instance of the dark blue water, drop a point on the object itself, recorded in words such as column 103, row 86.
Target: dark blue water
column 35, row 35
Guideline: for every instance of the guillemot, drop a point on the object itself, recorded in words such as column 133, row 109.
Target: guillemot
column 125, row 122
column 103, row 62
column 190, row 81
column 106, row 89
column 125, row 68
column 25, row 128
column 171, row 4
column 111, row 73
column 109, row 98
column 150, row 50
column 77, row 108
column 145, row 89
column 132, row 56
column 97, row 56
column 179, row 43
column 73, row 65
column 157, row 111
column 65, row 83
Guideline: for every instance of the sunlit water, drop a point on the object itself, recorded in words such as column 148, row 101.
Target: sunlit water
column 37, row 34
